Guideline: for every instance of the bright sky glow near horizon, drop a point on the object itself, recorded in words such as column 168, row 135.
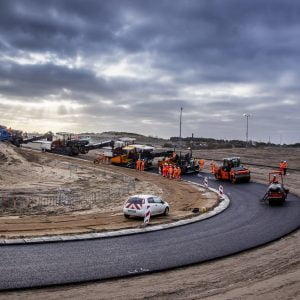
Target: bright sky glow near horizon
column 129, row 65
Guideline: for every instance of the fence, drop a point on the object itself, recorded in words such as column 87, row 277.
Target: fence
column 63, row 197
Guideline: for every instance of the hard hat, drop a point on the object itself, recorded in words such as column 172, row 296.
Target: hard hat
column 274, row 176
column 285, row 161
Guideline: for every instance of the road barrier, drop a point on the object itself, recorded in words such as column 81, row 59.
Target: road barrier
column 147, row 215
column 221, row 191
column 206, row 182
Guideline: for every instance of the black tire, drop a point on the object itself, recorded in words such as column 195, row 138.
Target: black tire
column 166, row 212
column 126, row 216
column 248, row 179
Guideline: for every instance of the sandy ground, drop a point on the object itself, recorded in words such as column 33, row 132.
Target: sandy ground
column 51, row 194
column 268, row 272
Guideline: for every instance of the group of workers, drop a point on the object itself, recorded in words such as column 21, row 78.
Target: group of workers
column 140, row 165
column 283, row 165
column 170, row 171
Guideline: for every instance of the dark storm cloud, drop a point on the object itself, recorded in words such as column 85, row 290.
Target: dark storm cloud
column 183, row 53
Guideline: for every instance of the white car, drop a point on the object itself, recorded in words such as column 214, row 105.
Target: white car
column 135, row 206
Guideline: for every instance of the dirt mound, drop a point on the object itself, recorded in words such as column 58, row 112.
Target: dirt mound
column 36, row 183
column 9, row 155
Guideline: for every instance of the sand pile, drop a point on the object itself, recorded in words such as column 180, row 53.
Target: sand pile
column 9, row 156
column 35, row 183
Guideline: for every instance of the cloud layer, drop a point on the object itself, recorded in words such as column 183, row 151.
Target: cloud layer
column 130, row 65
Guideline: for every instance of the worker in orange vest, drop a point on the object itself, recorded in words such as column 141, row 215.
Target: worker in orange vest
column 170, row 171
column 212, row 166
column 281, row 167
column 178, row 173
column 175, row 172
column 285, row 166
column 274, row 179
column 142, row 165
column 165, row 170
column 201, row 164
column 138, row 165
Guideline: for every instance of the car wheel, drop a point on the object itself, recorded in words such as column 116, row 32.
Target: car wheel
column 166, row 212
column 126, row 216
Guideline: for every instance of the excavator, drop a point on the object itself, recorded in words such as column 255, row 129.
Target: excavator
column 232, row 170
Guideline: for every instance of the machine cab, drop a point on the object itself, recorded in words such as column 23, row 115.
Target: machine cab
column 229, row 163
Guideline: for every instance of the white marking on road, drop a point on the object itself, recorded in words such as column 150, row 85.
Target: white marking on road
column 139, row 270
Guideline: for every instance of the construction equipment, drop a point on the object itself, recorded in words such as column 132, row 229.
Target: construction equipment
column 16, row 137
column 232, row 170
column 186, row 162
column 276, row 192
column 128, row 155
column 66, row 145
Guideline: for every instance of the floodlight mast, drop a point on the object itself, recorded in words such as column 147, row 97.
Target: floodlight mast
column 180, row 120
column 247, row 126
column 180, row 123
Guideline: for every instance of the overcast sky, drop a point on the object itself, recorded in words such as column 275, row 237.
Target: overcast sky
column 130, row 65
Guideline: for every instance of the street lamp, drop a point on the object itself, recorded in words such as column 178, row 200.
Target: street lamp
column 247, row 120
column 180, row 119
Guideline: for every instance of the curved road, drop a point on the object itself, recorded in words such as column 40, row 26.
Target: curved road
column 245, row 224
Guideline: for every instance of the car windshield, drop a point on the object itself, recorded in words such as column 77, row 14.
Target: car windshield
column 135, row 200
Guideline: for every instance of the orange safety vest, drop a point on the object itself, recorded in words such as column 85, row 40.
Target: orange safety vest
column 178, row 172
column 281, row 166
column 175, row 172
column 138, row 164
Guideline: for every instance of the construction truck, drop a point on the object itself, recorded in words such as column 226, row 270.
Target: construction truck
column 232, row 170
column 276, row 192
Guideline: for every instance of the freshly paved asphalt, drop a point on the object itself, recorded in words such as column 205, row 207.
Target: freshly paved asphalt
column 245, row 224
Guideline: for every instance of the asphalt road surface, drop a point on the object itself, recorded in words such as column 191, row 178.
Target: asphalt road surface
column 247, row 223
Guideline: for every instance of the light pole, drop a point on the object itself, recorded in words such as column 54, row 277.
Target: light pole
column 180, row 123
column 247, row 127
